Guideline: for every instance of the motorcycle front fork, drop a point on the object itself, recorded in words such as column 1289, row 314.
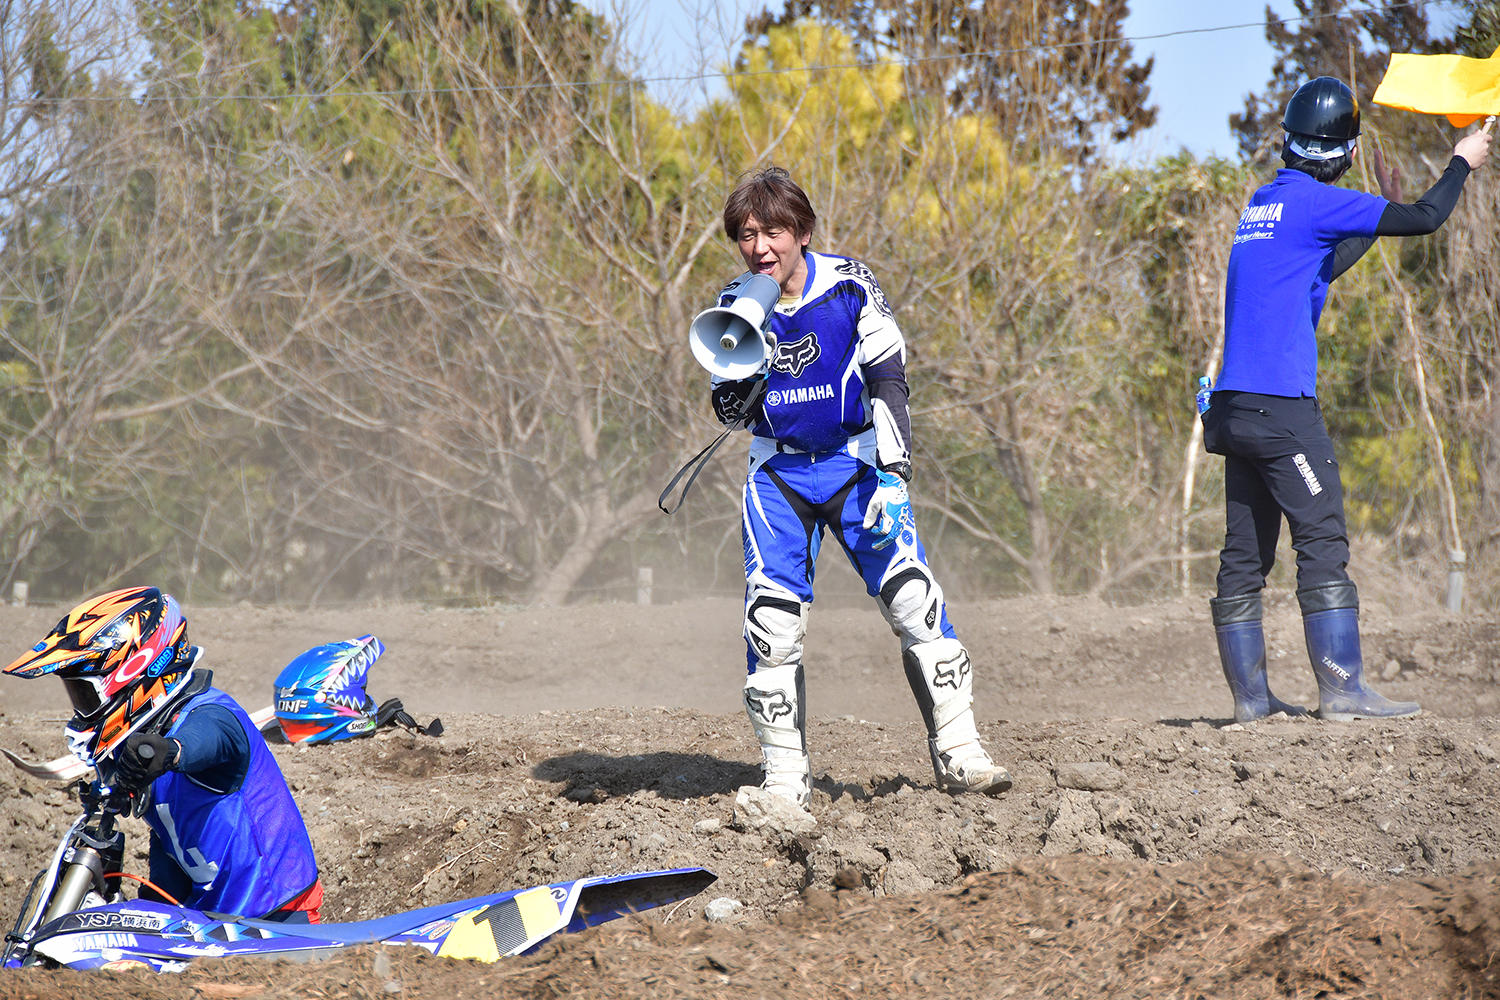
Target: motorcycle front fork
column 85, row 867
column 85, row 871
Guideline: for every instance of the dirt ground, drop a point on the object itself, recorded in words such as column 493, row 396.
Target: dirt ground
column 1149, row 848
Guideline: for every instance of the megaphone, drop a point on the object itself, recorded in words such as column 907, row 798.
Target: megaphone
column 731, row 341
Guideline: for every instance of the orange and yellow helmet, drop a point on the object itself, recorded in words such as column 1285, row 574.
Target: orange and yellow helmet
column 121, row 657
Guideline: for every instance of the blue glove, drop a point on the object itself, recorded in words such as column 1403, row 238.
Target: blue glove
column 889, row 511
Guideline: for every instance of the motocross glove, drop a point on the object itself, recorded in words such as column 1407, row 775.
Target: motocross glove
column 889, row 511
column 737, row 401
column 146, row 757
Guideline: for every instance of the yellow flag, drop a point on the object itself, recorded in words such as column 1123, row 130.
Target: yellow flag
column 1464, row 89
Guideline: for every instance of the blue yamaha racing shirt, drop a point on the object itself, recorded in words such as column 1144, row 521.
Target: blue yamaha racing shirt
column 1279, row 273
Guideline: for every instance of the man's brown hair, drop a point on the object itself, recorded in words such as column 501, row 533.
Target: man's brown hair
column 772, row 197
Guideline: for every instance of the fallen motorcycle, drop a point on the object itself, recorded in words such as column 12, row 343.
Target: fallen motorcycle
column 74, row 914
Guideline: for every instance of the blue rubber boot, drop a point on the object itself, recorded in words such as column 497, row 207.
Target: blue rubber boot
column 1330, row 621
column 1242, row 651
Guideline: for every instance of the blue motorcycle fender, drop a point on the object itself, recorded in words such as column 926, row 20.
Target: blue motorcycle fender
column 485, row 928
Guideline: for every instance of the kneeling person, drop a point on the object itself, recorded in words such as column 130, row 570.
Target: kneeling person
column 226, row 835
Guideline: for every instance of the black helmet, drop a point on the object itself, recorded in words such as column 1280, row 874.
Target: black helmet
column 1324, row 108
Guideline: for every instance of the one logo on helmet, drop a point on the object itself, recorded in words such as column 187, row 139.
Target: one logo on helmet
column 793, row 358
column 146, row 661
column 857, row 269
column 769, row 705
column 162, row 662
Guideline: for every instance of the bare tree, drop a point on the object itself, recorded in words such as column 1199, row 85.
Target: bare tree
column 489, row 372
column 102, row 354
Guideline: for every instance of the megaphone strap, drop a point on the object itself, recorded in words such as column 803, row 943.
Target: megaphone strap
column 695, row 464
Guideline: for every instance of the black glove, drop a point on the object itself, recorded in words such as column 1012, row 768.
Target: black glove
column 146, row 757
column 738, row 401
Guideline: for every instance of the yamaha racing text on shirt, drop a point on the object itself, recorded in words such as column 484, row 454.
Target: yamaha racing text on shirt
column 815, row 397
column 1279, row 270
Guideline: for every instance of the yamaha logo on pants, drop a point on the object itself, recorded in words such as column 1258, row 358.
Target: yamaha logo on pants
column 1308, row 476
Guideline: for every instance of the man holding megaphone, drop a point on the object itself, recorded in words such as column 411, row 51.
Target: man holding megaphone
column 805, row 353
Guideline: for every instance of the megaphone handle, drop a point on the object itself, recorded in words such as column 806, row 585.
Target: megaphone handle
column 700, row 460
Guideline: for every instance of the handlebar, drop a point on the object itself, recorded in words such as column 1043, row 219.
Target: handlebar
column 103, row 802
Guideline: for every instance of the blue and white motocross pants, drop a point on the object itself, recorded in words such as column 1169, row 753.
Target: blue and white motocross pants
column 790, row 500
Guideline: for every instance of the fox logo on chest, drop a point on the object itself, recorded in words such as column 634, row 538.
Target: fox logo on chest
column 793, row 358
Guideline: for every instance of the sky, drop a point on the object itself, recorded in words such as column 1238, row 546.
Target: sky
column 1199, row 79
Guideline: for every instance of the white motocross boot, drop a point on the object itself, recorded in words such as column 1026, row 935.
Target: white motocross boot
column 774, row 702
column 943, row 681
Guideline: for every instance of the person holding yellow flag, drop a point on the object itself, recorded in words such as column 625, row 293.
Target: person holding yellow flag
column 1297, row 234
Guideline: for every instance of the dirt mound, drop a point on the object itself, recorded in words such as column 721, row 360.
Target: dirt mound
column 1236, row 927
column 1149, row 847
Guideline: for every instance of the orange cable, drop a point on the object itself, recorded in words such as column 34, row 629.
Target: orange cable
column 147, row 883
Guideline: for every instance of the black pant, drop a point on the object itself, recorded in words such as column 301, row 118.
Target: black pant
column 1278, row 459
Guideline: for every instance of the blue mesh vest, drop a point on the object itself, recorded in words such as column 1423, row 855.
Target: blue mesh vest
column 246, row 852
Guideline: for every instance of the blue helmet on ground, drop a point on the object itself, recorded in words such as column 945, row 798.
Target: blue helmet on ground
column 321, row 697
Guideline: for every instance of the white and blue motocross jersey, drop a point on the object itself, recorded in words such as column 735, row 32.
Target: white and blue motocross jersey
column 816, row 397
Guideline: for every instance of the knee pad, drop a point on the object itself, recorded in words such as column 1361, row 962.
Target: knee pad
column 912, row 603
column 775, row 625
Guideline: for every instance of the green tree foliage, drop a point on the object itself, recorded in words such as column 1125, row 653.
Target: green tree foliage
column 46, row 63
column 836, row 116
